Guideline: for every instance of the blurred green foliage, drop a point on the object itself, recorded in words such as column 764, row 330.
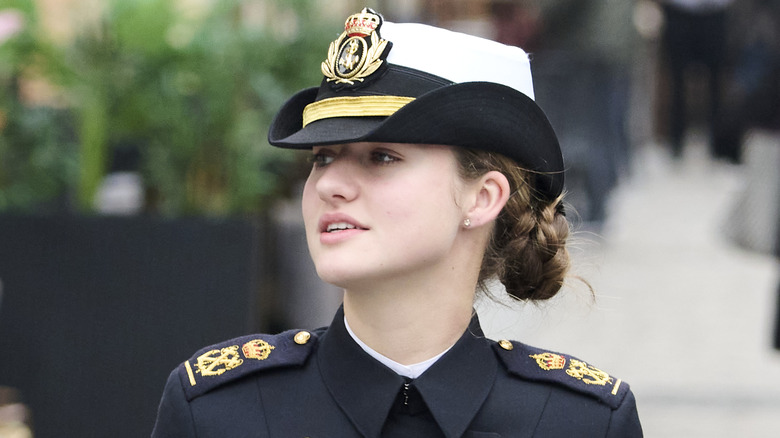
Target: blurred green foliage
column 192, row 91
column 37, row 151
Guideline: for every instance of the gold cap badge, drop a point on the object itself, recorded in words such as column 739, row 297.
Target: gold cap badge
column 358, row 52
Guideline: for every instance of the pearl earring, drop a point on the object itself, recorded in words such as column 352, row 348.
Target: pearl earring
column 467, row 222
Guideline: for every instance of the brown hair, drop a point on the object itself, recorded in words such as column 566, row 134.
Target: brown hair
column 527, row 249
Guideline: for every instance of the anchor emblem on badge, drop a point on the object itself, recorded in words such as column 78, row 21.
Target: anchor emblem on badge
column 358, row 52
column 216, row 362
column 588, row 374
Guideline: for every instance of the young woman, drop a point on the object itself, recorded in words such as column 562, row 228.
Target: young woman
column 434, row 173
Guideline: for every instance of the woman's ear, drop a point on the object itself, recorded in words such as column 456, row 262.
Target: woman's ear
column 491, row 193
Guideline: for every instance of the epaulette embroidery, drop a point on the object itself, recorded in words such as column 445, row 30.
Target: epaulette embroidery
column 222, row 363
column 539, row 365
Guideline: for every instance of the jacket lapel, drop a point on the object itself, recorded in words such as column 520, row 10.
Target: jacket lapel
column 362, row 387
column 456, row 386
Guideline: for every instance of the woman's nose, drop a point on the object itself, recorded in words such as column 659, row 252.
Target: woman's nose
column 337, row 182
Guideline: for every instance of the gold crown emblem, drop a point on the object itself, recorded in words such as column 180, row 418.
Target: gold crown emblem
column 257, row 349
column 362, row 23
column 550, row 361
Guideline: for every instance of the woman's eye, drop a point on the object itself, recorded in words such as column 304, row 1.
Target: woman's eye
column 381, row 157
column 320, row 159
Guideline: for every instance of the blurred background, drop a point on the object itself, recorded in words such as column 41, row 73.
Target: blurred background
column 143, row 214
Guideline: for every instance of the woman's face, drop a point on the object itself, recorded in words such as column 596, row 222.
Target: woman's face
column 377, row 211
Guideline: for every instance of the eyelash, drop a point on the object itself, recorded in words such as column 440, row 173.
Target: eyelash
column 383, row 158
column 319, row 159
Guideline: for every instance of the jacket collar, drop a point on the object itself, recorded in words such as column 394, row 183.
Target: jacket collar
column 454, row 388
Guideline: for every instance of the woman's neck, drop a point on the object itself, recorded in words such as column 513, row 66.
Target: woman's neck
column 409, row 325
column 413, row 316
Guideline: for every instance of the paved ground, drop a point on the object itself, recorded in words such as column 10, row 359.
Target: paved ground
column 681, row 313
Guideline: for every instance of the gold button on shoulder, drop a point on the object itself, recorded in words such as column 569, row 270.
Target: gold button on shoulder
column 302, row 337
column 506, row 345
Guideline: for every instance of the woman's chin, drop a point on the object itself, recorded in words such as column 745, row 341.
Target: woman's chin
column 336, row 277
column 347, row 278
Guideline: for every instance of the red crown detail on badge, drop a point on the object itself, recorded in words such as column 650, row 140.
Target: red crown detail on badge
column 362, row 23
column 257, row 349
column 556, row 362
column 550, row 361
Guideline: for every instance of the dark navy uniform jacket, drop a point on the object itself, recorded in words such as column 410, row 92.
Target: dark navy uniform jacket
column 322, row 384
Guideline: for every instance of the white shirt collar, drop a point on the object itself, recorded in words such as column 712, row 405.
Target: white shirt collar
column 411, row 371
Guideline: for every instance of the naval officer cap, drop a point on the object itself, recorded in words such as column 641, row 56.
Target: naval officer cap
column 412, row 83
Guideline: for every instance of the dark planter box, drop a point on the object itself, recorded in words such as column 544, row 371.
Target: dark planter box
column 96, row 312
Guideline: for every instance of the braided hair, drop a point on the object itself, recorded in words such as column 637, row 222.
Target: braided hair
column 527, row 249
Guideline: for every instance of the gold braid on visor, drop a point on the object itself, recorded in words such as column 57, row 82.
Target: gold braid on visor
column 354, row 106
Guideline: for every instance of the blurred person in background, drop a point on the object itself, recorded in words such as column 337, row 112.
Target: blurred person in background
column 583, row 52
column 434, row 173
column 694, row 34
column 752, row 91
column 752, row 116
column 748, row 129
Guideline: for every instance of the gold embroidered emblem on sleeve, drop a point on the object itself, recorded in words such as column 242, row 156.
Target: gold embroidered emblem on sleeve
column 550, row 361
column 587, row 374
column 257, row 349
column 216, row 362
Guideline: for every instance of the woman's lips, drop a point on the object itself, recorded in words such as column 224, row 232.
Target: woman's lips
column 339, row 226
column 335, row 228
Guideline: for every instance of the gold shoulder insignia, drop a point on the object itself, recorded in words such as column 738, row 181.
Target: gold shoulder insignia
column 588, row 374
column 538, row 365
column 216, row 362
column 222, row 363
column 549, row 361
column 257, row 349
column 577, row 369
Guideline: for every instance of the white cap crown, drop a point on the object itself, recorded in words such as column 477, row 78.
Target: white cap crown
column 430, row 49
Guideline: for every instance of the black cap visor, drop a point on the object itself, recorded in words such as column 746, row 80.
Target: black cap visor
column 474, row 115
